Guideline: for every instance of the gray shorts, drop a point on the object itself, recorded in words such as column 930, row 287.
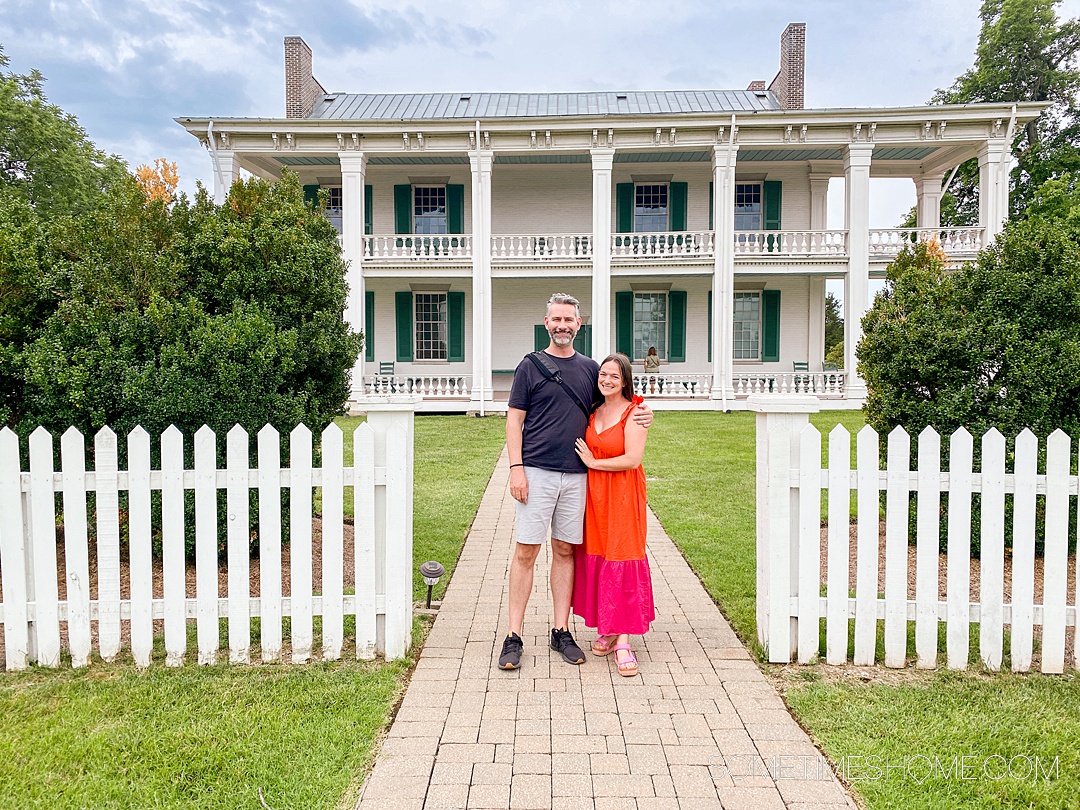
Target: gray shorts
column 556, row 501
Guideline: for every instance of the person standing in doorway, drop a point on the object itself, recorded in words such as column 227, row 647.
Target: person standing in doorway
column 550, row 402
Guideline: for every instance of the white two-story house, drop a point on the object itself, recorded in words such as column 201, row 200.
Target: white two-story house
column 693, row 222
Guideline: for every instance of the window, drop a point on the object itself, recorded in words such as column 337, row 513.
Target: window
column 429, row 209
column 650, row 208
column 431, row 322
column 747, row 337
column 333, row 207
column 748, row 207
column 650, row 323
column 333, row 200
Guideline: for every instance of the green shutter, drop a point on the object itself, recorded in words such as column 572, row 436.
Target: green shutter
column 770, row 326
column 677, row 326
column 403, row 203
column 712, row 203
column 368, row 220
column 677, row 206
column 455, row 209
column 403, row 304
column 624, row 207
column 624, row 323
column 311, row 194
column 369, row 326
column 770, row 206
column 541, row 338
column 455, row 317
column 583, row 340
column 710, row 325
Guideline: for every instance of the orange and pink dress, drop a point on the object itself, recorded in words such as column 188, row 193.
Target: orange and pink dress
column 612, row 584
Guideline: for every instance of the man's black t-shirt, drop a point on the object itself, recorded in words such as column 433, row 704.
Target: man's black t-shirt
column 553, row 421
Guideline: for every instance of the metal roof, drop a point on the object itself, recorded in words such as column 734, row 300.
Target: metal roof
column 471, row 106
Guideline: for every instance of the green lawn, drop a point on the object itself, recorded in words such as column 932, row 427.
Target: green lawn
column 921, row 724
column 209, row 738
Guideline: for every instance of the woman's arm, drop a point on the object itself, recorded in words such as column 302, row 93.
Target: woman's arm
column 634, row 450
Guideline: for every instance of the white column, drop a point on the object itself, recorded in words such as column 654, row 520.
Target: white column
column 994, row 159
column 353, row 168
column 480, row 162
column 226, row 170
column 857, row 281
column 602, row 345
column 928, row 207
column 819, row 201
column 723, row 281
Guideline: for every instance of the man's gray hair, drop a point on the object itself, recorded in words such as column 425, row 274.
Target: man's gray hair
column 563, row 298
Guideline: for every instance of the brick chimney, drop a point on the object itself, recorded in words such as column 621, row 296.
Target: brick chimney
column 302, row 89
column 789, row 82
column 755, row 85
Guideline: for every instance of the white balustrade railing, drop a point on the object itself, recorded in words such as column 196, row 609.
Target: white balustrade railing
column 676, row 386
column 674, row 243
column 791, row 243
column 411, row 247
column 560, row 246
column 430, row 386
column 816, row 383
column 889, row 241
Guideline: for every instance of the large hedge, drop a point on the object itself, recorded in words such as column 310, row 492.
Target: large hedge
column 993, row 343
column 139, row 313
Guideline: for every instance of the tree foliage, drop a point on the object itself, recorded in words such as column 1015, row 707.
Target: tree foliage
column 189, row 315
column 994, row 343
column 45, row 156
column 1024, row 54
column 834, row 331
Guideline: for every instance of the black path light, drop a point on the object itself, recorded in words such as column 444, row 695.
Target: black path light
column 431, row 571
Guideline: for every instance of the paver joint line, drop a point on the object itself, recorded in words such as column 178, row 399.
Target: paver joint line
column 551, row 735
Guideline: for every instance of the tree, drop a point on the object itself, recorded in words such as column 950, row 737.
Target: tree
column 45, row 156
column 190, row 315
column 993, row 343
column 159, row 182
column 834, row 331
column 1024, row 54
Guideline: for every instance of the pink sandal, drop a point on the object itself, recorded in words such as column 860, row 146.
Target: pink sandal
column 628, row 666
column 604, row 645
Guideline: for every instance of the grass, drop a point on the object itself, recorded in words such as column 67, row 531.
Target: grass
column 1003, row 724
column 209, row 738
column 204, row 738
column 704, row 467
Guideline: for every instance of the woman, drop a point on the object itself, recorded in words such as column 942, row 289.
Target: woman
column 652, row 361
column 612, row 585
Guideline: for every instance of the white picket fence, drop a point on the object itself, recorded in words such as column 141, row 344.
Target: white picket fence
column 33, row 614
column 790, row 604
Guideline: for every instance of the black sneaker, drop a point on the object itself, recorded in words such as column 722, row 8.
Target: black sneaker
column 563, row 642
column 511, row 652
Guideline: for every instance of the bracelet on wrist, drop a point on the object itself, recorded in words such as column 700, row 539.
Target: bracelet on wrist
column 516, row 465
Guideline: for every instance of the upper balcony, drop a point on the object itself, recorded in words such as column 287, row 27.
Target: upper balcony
column 673, row 247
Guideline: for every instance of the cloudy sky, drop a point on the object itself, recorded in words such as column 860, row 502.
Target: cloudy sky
column 126, row 68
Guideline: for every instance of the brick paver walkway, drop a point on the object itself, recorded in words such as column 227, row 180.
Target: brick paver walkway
column 700, row 727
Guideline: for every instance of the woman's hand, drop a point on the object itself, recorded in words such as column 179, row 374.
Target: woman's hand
column 584, row 453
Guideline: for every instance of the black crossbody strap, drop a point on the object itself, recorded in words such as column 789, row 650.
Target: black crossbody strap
column 551, row 371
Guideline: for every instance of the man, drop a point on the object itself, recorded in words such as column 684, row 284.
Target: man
column 547, row 479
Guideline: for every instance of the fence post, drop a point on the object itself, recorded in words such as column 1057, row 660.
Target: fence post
column 391, row 419
column 780, row 417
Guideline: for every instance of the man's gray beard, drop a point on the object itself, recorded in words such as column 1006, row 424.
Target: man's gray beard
column 565, row 339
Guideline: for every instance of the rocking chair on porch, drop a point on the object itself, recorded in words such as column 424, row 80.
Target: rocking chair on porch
column 801, row 383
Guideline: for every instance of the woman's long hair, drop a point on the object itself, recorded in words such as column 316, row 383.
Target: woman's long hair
column 625, row 371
